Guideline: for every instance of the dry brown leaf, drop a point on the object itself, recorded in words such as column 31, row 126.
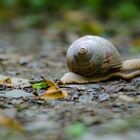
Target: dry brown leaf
column 7, row 82
column 10, row 123
column 13, row 81
column 53, row 92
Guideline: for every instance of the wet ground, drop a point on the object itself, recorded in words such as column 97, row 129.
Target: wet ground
column 103, row 111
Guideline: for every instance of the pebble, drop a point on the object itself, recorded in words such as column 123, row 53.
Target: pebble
column 113, row 89
column 126, row 98
column 128, row 88
column 85, row 99
column 96, row 86
column 25, row 60
column 136, row 81
column 103, row 97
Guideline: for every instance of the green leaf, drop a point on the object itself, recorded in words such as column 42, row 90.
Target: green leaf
column 40, row 85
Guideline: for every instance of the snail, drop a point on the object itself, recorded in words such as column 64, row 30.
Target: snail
column 93, row 59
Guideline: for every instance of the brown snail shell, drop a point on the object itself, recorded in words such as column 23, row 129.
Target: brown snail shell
column 92, row 55
column 93, row 58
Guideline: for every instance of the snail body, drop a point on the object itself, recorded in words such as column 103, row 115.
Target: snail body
column 94, row 59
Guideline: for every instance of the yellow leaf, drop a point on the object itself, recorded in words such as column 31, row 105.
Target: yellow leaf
column 7, row 82
column 13, row 81
column 10, row 123
column 53, row 92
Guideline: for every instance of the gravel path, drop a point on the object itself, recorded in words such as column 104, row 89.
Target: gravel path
column 103, row 111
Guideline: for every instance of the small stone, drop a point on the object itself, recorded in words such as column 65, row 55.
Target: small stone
column 103, row 97
column 117, row 104
column 25, row 60
column 15, row 94
column 91, row 90
column 128, row 88
column 136, row 81
column 114, row 96
column 21, row 82
column 126, row 98
column 113, row 89
column 93, row 86
column 75, row 97
column 12, row 72
column 85, row 99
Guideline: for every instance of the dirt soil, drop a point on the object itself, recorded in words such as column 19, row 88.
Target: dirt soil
column 100, row 111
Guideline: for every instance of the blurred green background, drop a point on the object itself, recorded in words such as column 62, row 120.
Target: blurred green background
column 46, row 10
column 99, row 17
column 121, row 9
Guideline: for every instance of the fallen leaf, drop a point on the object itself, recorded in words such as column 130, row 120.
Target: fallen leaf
column 53, row 92
column 40, row 85
column 10, row 123
column 7, row 82
column 13, row 81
